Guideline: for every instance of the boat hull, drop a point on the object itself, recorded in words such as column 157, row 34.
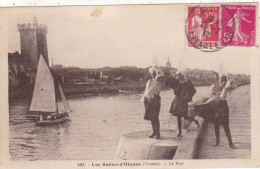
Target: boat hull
column 60, row 118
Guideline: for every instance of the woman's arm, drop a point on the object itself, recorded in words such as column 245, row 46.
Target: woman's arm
column 231, row 20
column 145, row 92
column 244, row 19
column 190, row 90
column 212, row 88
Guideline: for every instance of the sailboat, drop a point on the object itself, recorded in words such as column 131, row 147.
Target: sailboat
column 44, row 100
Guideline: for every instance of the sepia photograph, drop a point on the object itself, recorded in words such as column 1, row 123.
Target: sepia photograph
column 131, row 82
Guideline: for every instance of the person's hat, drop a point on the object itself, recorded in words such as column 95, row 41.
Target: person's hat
column 181, row 70
column 151, row 70
column 222, row 70
column 222, row 75
column 159, row 73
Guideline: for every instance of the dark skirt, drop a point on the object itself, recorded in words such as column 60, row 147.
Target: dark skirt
column 216, row 111
column 152, row 108
column 179, row 107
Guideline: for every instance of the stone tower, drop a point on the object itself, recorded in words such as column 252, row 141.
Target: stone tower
column 33, row 43
column 168, row 63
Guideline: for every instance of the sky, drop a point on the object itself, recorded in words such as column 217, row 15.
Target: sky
column 98, row 36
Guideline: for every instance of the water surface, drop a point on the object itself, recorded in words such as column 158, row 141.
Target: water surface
column 93, row 131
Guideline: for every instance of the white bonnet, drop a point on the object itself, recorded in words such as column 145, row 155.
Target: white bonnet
column 151, row 70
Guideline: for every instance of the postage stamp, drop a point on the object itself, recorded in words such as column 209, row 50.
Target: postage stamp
column 242, row 21
column 202, row 27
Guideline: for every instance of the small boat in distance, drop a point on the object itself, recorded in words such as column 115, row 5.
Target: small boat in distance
column 44, row 100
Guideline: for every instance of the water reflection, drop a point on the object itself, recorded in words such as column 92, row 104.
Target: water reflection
column 93, row 131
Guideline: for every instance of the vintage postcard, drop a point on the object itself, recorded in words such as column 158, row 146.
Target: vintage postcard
column 130, row 86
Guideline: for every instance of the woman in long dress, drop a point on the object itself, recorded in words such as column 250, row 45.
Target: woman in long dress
column 152, row 100
column 216, row 109
column 196, row 25
column 237, row 19
column 201, row 29
column 184, row 91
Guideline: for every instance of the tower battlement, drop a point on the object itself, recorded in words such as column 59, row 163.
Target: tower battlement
column 25, row 27
column 33, row 42
column 42, row 28
column 31, row 27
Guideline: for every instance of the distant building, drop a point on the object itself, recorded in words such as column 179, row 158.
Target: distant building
column 119, row 79
column 33, row 43
column 104, row 75
column 57, row 67
column 168, row 63
column 18, row 73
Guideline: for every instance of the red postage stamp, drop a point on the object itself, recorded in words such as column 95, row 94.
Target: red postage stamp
column 238, row 27
column 203, row 29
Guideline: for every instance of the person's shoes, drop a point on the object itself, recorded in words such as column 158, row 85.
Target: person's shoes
column 158, row 136
column 232, row 146
column 217, row 143
column 152, row 136
column 179, row 134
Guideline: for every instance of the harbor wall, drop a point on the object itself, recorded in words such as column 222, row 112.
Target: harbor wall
column 190, row 142
column 192, row 139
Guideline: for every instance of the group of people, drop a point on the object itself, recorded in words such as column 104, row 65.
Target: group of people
column 183, row 90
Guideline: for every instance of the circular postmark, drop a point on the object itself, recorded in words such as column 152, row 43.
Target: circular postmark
column 203, row 28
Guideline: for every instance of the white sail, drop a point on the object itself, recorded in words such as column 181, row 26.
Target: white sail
column 43, row 99
column 64, row 101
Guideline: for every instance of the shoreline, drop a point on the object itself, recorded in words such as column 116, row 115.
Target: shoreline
column 73, row 90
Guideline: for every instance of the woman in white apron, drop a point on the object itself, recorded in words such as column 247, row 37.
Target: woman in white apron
column 152, row 100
